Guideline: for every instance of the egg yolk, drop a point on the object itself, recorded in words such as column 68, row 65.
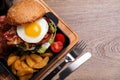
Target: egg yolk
column 32, row 29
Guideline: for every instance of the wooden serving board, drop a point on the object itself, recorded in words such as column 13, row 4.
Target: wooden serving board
column 67, row 30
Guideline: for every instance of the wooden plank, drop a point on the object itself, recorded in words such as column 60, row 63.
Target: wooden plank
column 97, row 22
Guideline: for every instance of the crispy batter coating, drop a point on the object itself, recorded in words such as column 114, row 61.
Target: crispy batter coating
column 25, row 11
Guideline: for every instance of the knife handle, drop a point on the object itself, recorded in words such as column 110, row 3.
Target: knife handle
column 55, row 71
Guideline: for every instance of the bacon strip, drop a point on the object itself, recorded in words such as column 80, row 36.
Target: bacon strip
column 12, row 37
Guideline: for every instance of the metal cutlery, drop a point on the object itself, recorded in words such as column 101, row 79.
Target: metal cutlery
column 74, row 66
column 71, row 56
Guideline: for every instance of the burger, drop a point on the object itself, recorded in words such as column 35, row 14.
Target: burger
column 30, row 30
column 26, row 32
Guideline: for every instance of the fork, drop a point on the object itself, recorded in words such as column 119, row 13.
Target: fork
column 70, row 57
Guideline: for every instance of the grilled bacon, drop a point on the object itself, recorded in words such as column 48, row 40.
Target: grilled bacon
column 12, row 37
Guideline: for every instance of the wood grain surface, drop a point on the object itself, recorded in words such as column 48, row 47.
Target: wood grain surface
column 97, row 22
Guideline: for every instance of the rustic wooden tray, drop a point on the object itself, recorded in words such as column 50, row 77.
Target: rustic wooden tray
column 73, row 39
column 67, row 30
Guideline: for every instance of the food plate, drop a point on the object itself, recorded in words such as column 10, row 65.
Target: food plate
column 71, row 39
column 55, row 55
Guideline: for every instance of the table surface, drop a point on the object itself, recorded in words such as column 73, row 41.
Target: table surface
column 98, row 23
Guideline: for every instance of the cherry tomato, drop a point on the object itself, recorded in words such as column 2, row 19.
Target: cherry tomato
column 60, row 37
column 56, row 46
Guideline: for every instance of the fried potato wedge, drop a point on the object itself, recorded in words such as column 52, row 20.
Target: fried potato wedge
column 29, row 61
column 46, row 55
column 24, row 65
column 11, row 59
column 13, row 70
column 23, row 58
column 25, row 77
column 25, row 71
column 42, row 63
column 36, row 58
column 18, row 64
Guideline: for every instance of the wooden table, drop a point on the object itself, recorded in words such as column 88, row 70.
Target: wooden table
column 98, row 23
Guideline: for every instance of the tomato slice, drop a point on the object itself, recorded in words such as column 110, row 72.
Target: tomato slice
column 60, row 37
column 56, row 46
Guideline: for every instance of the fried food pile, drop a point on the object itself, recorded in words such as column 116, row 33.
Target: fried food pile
column 24, row 66
column 26, row 35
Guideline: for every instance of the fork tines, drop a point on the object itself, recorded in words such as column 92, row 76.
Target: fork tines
column 81, row 44
column 79, row 47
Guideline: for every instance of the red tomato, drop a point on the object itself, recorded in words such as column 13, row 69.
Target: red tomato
column 56, row 46
column 60, row 37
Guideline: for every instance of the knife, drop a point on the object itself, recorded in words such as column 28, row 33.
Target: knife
column 74, row 66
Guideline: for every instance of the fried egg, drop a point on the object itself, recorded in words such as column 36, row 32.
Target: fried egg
column 33, row 32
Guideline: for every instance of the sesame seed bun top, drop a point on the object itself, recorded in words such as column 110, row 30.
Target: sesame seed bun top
column 25, row 11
